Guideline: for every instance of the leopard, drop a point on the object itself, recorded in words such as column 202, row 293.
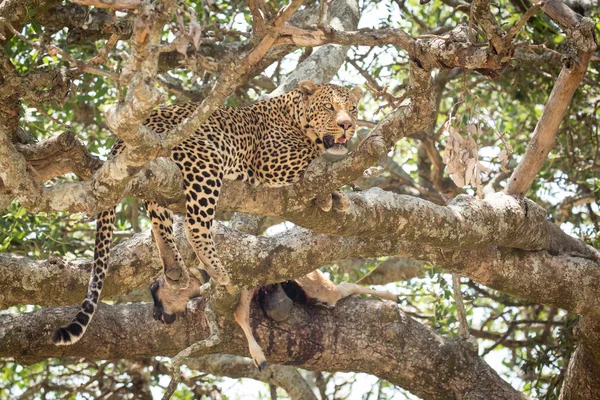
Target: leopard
column 270, row 142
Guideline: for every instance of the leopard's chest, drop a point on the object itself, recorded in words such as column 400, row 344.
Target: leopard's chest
column 282, row 159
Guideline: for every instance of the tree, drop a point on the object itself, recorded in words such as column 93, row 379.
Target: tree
column 482, row 105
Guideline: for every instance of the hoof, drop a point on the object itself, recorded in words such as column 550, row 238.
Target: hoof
column 262, row 366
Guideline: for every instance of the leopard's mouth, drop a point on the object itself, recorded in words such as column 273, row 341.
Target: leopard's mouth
column 334, row 145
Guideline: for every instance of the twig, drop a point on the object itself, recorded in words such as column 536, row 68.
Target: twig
column 372, row 81
column 538, row 46
column 51, row 118
column 393, row 101
column 103, row 53
column 81, row 66
column 463, row 324
column 92, row 379
column 212, row 340
column 116, row 4
column 522, row 21
column 258, row 20
column 402, row 6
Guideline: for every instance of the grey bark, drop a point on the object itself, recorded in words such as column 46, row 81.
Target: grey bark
column 563, row 281
column 582, row 380
column 322, row 65
column 357, row 335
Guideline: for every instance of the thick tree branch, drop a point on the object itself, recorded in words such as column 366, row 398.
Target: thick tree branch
column 567, row 282
column 465, row 223
column 448, row 51
column 582, row 380
column 58, row 156
column 84, row 24
column 357, row 335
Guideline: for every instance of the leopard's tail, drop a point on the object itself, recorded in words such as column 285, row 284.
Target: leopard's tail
column 74, row 331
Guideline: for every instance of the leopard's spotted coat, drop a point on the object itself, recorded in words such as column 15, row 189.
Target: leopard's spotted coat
column 270, row 142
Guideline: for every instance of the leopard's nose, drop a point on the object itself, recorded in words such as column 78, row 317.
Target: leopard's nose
column 345, row 125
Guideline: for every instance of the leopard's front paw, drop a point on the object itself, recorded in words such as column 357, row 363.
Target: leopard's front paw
column 336, row 200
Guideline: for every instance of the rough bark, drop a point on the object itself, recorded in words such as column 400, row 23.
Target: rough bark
column 357, row 335
column 58, row 156
column 563, row 281
column 84, row 24
column 582, row 380
column 394, row 269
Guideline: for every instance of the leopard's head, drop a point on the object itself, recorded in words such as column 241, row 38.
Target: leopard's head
column 330, row 114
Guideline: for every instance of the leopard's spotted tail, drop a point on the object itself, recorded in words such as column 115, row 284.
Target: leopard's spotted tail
column 74, row 331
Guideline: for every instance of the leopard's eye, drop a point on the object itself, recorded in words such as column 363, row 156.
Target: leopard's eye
column 352, row 109
column 329, row 106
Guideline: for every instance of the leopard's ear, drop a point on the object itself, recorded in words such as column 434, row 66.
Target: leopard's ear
column 307, row 87
column 356, row 93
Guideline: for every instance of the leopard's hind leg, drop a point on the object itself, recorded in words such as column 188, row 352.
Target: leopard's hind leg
column 203, row 177
column 174, row 268
column 75, row 330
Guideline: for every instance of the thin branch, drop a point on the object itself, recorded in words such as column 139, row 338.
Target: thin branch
column 544, row 135
column 463, row 324
column 115, row 4
column 213, row 339
column 284, row 376
column 482, row 14
column 522, row 21
column 258, row 20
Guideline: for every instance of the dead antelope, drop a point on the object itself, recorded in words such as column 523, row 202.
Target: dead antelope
column 315, row 287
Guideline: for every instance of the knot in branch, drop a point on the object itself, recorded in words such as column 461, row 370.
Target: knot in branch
column 374, row 146
column 583, row 37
